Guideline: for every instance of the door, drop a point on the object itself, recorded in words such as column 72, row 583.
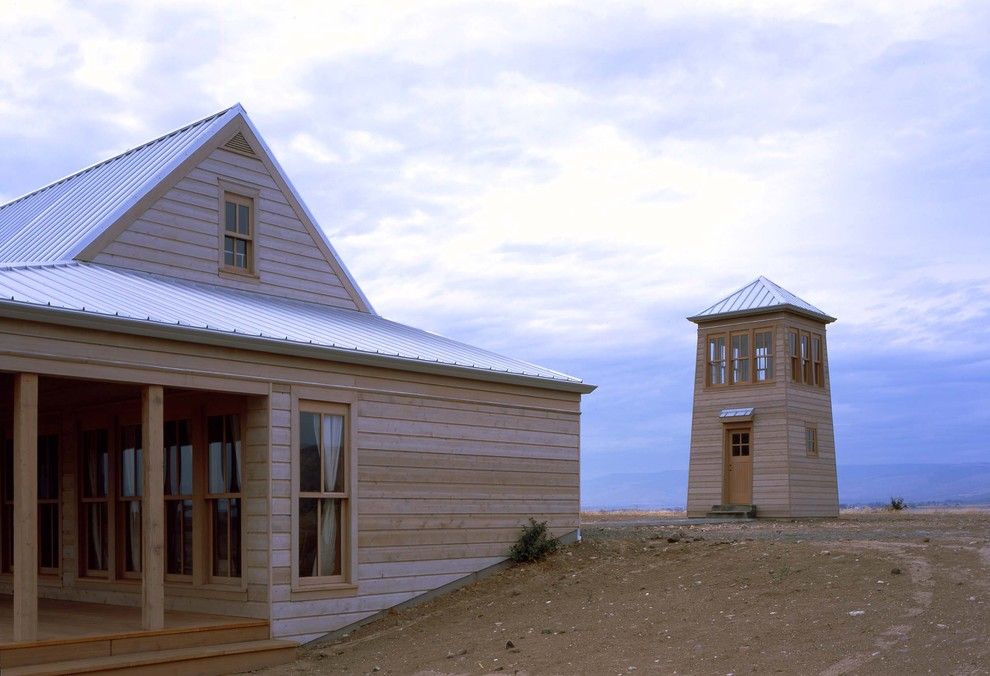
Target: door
column 739, row 466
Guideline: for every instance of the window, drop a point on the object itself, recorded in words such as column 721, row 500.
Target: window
column 739, row 444
column 749, row 358
column 816, row 360
column 792, row 351
column 323, row 493
column 95, row 499
column 129, row 498
column 178, row 498
column 807, row 353
column 740, row 357
column 49, row 552
column 238, row 216
column 7, row 508
column 716, row 360
column 811, row 441
column 763, row 343
column 224, row 495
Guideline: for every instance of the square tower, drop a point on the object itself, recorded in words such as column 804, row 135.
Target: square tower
column 762, row 441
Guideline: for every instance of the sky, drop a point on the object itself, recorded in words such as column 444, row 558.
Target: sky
column 565, row 182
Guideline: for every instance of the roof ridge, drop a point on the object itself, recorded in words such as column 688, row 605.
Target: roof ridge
column 779, row 292
column 101, row 163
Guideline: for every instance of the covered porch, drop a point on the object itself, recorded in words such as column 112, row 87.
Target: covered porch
column 125, row 511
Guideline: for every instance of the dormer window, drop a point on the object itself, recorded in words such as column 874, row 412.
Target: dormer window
column 238, row 216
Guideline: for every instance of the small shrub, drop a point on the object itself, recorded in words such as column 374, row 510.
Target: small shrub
column 534, row 543
column 897, row 504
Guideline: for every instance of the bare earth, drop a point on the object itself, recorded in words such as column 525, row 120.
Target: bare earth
column 871, row 592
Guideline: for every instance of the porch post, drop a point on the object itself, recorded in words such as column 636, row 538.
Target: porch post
column 153, row 509
column 25, row 507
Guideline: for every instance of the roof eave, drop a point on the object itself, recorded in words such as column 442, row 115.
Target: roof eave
column 86, row 320
column 793, row 309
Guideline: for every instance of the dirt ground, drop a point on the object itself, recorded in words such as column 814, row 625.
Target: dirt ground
column 871, row 592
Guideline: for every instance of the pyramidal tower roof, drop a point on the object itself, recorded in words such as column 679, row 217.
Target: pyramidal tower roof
column 760, row 297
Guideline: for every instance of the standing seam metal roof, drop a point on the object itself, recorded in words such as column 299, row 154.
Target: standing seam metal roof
column 760, row 295
column 102, row 291
column 56, row 222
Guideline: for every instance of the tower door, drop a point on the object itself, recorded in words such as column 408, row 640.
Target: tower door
column 738, row 466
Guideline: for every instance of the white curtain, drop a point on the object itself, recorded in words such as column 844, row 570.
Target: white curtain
column 216, row 467
column 95, row 532
column 333, row 452
column 330, row 515
column 333, row 447
column 233, row 459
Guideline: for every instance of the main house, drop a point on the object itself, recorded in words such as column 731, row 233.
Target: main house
column 202, row 417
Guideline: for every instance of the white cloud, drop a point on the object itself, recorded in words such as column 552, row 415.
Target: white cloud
column 568, row 178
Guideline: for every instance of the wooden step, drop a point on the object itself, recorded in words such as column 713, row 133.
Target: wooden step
column 225, row 658
column 733, row 511
column 23, row 654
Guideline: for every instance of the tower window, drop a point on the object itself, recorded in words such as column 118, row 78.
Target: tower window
column 739, row 357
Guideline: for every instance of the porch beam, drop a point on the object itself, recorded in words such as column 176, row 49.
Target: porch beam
column 25, row 507
column 153, row 509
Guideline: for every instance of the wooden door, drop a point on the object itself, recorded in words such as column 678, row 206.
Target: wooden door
column 738, row 466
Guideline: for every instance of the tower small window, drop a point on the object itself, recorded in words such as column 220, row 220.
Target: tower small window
column 238, row 233
column 811, row 441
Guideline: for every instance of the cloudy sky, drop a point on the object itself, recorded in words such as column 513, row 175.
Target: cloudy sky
column 566, row 182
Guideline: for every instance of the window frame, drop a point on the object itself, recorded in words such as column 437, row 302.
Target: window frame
column 307, row 400
column 105, row 425
column 210, row 498
column 726, row 365
column 193, row 497
column 7, row 500
column 243, row 195
column 120, row 500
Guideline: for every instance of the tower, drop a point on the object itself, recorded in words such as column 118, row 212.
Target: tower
column 762, row 440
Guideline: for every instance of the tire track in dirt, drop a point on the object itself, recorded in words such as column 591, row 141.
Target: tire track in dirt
column 919, row 570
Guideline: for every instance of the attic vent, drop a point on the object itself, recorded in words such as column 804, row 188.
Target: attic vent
column 240, row 145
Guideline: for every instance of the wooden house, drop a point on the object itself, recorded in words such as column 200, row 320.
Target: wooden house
column 762, row 441
column 213, row 447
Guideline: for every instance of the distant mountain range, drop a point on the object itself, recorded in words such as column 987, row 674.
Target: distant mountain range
column 858, row 485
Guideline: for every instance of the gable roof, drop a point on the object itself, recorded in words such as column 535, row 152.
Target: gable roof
column 56, row 222
column 74, row 217
column 97, row 296
column 759, row 297
column 49, row 237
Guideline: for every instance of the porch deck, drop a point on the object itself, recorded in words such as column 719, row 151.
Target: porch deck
column 76, row 637
column 62, row 620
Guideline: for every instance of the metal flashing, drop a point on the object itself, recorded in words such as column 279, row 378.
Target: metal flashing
column 736, row 413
